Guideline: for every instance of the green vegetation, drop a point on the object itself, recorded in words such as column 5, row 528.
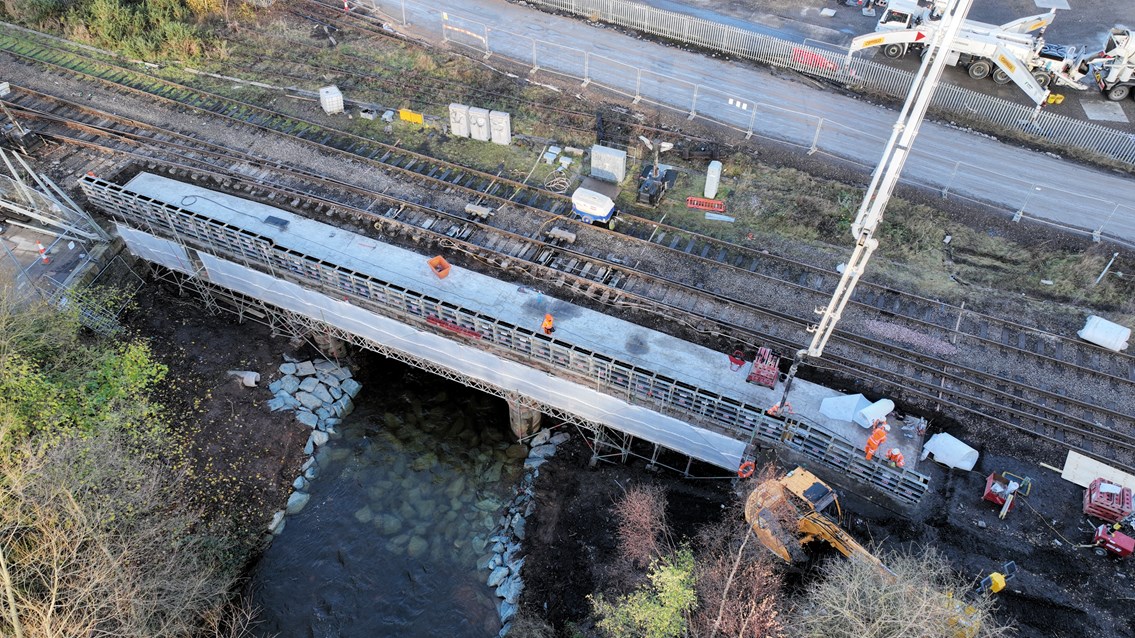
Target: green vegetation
column 658, row 610
column 94, row 534
column 146, row 29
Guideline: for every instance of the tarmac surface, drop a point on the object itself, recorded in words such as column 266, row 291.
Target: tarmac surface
column 970, row 165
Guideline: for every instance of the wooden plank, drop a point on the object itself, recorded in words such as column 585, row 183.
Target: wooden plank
column 1082, row 470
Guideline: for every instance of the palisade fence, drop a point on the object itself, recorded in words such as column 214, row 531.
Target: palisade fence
column 828, row 63
column 1024, row 195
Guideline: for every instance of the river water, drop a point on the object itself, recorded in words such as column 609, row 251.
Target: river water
column 398, row 519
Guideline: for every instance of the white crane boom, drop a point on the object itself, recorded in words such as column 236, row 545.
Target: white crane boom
column 884, row 179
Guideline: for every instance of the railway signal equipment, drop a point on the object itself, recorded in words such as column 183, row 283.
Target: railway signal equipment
column 654, row 181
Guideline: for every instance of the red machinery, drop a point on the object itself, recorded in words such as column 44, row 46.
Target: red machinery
column 1107, row 500
column 1108, row 541
column 1003, row 490
column 765, row 369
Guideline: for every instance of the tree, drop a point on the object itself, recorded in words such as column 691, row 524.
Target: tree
column 643, row 533
column 658, row 609
column 923, row 598
column 738, row 586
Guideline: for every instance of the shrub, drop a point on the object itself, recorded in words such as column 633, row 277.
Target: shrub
column 660, row 608
column 642, row 529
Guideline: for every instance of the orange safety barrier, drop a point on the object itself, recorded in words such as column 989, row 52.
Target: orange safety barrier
column 705, row 204
column 440, row 267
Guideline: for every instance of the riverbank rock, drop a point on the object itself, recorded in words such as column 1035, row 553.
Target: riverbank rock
column 297, row 501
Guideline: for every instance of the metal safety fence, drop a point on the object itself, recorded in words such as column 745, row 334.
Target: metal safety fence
column 1025, row 196
column 827, row 62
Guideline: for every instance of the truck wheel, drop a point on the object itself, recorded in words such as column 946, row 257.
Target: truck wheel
column 980, row 69
column 1001, row 77
column 894, row 50
column 1042, row 78
column 1119, row 92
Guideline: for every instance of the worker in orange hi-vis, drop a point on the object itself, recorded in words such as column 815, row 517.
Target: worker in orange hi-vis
column 895, row 458
column 548, row 325
column 877, row 438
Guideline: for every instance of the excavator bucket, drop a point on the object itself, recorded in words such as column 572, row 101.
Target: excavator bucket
column 773, row 519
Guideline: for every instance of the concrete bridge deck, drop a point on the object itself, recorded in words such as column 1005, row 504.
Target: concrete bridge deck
column 604, row 370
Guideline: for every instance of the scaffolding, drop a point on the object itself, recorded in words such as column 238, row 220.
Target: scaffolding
column 192, row 245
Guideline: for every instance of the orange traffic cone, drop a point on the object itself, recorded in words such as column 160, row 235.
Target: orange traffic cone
column 42, row 253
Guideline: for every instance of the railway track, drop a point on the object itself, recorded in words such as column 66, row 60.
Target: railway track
column 594, row 269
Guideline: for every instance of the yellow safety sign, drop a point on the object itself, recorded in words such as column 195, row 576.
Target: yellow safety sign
column 410, row 116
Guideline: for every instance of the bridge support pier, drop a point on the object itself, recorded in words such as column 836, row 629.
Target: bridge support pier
column 331, row 347
column 523, row 417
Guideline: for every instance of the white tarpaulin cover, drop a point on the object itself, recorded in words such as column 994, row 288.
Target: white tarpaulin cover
column 843, row 408
column 950, row 451
column 877, row 410
column 646, row 424
column 1105, row 333
column 155, row 249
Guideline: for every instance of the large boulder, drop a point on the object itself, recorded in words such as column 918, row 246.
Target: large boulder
column 307, row 418
column 309, row 384
column 308, row 401
column 289, row 384
column 351, row 387
column 542, row 452
column 297, row 501
column 497, row 576
column 305, row 369
column 320, row 392
column 559, row 439
column 287, row 368
column 541, row 438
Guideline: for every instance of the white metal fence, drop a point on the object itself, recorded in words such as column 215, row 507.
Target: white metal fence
column 1024, row 196
column 827, row 62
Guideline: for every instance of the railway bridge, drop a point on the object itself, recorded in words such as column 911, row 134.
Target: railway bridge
column 631, row 389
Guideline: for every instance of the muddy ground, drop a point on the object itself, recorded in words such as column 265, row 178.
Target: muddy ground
column 1059, row 591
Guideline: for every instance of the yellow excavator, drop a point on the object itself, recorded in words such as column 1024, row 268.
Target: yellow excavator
column 791, row 511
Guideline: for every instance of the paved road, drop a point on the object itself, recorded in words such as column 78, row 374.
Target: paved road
column 969, row 165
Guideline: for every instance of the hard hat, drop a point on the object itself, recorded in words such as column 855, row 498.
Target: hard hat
column 895, row 451
column 547, row 317
column 886, row 428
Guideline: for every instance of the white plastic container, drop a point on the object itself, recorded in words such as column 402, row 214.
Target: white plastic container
column 459, row 120
column 331, row 100
column 479, row 124
column 500, row 127
column 1105, row 333
column 712, row 179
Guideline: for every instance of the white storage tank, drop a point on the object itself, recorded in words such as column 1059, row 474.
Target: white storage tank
column 712, row 179
column 500, row 125
column 331, row 100
column 459, row 120
column 1105, row 333
column 479, row 123
column 608, row 164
